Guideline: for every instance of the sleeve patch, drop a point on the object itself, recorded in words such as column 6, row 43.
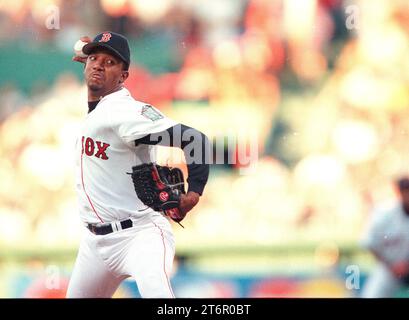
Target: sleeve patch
column 150, row 113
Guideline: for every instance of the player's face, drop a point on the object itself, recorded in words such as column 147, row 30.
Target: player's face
column 104, row 72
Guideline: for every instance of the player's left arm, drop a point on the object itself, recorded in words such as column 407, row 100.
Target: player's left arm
column 196, row 148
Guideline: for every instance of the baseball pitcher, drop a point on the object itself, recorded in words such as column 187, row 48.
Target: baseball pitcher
column 127, row 201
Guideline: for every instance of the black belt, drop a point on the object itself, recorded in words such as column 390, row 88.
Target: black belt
column 109, row 227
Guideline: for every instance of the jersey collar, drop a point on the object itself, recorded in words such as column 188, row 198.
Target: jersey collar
column 120, row 93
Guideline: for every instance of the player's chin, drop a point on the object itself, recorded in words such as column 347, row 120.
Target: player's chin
column 95, row 85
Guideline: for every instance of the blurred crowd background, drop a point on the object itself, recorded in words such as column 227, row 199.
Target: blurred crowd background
column 321, row 84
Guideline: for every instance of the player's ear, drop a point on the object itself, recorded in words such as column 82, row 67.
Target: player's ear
column 124, row 76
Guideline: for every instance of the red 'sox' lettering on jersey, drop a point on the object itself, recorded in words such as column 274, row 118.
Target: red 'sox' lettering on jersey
column 102, row 147
column 90, row 145
column 82, row 145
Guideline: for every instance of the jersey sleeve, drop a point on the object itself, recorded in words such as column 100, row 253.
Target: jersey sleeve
column 197, row 168
column 132, row 121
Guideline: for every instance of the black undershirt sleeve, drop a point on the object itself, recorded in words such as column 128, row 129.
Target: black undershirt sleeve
column 195, row 146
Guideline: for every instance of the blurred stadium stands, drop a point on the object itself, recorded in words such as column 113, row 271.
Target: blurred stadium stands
column 322, row 84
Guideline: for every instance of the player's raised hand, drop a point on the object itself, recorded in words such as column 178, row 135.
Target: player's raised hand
column 79, row 55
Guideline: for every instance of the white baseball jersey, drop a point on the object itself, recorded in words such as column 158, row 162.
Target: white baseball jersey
column 106, row 152
column 388, row 234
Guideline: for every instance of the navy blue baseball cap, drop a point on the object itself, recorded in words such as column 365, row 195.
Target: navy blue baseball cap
column 114, row 42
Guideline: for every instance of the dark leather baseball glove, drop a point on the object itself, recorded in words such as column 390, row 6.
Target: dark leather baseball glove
column 160, row 187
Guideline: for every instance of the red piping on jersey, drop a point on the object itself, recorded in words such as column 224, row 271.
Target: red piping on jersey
column 83, row 187
column 164, row 258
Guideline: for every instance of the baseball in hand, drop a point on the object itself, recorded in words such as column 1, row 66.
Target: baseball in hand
column 78, row 49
